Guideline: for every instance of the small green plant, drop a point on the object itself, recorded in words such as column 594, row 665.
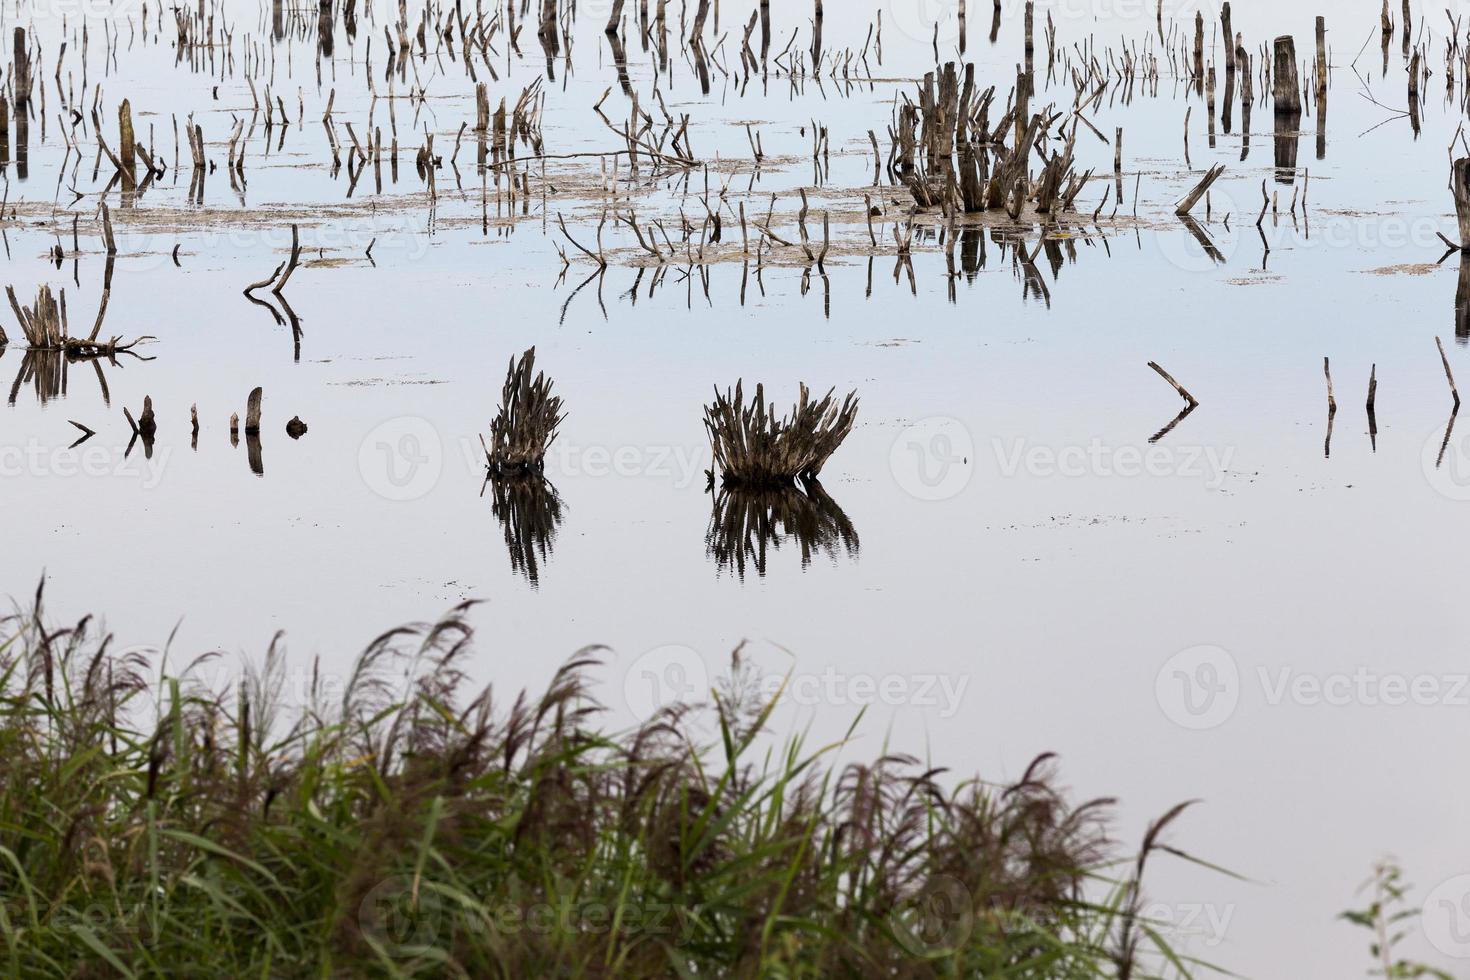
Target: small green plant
column 1386, row 917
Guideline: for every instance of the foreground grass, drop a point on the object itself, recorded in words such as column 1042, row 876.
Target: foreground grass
column 151, row 824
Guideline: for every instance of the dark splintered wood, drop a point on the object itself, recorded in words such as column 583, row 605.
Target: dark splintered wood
column 1285, row 86
column 1372, row 400
column 1192, row 198
column 126, row 150
column 754, row 446
column 252, row 411
column 1199, row 47
column 1331, row 401
column 1448, row 375
column 21, row 72
column 147, row 424
column 1460, row 186
column 527, row 423
column 1286, row 143
column 1462, row 302
column 1227, row 34
column 1321, row 72
column 1190, row 399
column 252, row 450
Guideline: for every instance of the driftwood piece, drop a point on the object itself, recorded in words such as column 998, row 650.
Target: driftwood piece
column 1183, row 393
column 252, row 412
column 1193, row 197
column 1448, row 375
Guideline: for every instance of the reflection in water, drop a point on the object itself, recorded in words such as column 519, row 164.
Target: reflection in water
column 1288, row 126
column 744, row 522
column 1462, row 303
column 47, row 372
column 530, row 513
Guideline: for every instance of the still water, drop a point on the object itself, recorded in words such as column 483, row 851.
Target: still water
column 1001, row 561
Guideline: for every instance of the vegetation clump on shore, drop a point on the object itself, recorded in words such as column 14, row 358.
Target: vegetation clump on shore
column 394, row 823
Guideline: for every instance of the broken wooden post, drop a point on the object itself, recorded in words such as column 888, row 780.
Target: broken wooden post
column 1176, row 385
column 1447, row 374
column 1192, row 198
column 1331, row 401
column 252, row 412
column 1321, row 73
column 21, row 74
column 147, row 424
column 127, row 150
column 1285, row 86
column 1460, row 187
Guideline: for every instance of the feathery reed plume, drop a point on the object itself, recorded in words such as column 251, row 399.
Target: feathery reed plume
column 526, row 426
column 754, row 447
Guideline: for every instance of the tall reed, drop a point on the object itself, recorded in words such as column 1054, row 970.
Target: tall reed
column 398, row 823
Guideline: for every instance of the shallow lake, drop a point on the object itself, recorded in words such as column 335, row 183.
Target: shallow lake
column 1004, row 560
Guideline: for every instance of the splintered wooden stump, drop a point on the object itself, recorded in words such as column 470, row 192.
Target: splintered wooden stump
column 147, row 424
column 127, row 149
column 1285, row 86
column 252, row 412
column 1192, row 198
column 21, row 72
column 1460, row 186
column 1321, row 60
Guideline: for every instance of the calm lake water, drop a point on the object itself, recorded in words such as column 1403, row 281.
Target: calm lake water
column 1006, row 565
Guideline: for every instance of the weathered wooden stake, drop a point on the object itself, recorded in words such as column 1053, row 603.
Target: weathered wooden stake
column 1448, row 376
column 1285, row 86
column 1176, row 385
column 1460, row 186
column 252, row 412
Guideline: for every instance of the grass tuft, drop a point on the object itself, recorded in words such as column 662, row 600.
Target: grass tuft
column 399, row 823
